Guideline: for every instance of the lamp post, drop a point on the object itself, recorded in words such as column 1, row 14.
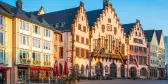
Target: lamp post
column 90, row 62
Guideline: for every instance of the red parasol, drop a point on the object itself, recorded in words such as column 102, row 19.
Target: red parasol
column 58, row 70
column 66, row 69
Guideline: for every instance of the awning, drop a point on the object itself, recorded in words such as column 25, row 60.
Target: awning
column 66, row 69
column 4, row 68
column 40, row 68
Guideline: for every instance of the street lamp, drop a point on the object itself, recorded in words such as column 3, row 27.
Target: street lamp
column 90, row 60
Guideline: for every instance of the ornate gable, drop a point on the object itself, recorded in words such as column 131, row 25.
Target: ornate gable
column 154, row 40
column 108, row 24
column 81, row 22
column 161, row 44
column 137, row 35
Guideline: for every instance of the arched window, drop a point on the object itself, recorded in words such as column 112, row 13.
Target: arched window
column 135, row 33
column 143, row 72
column 139, row 34
column 132, row 72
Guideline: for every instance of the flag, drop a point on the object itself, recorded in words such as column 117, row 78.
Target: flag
column 122, row 60
column 135, row 60
column 101, row 51
column 92, row 54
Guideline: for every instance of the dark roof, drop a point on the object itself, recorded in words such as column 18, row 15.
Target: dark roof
column 158, row 35
column 67, row 16
column 128, row 27
column 22, row 14
column 149, row 34
column 93, row 15
column 4, row 11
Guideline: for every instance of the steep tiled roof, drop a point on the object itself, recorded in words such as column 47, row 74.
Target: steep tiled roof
column 21, row 13
column 67, row 16
column 93, row 15
column 149, row 34
column 128, row 27
column 158, row 34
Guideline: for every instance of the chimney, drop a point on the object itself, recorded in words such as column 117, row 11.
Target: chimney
column 105, row 3
column 19, row 4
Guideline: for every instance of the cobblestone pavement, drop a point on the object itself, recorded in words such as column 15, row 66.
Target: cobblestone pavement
column 119, row 81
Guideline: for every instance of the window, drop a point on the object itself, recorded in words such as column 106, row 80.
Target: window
column 2, row 20
column 47, row 32
column 79, row 26
column 116, row 46
column 46, row 45
column 77, row 52
column 56, row 25
column 62, row 24
column 55, row 48
column 131, row 59
column 145, row 60
column 77, row 38
column 24, row 54
column 145, row 50
column 24, row 39
column 139, row 34
column 87, row 41
column 36, row 42
column 95, row 44
column 103, row 28
column 82, row 52
column 36, row 29
column 2, row 56
column 46, row 58
column 61, row 52
column 84, row 28
column 60, row 37
column 135, row 33
column 109, row 20
column 110, row 43
column 55, row 36
column 103, row 42
column 24, row 25
column 115, row 30
column 82, row 40
column 2, row 39
column 122, row 50
column 87, row 53
column 36, row 56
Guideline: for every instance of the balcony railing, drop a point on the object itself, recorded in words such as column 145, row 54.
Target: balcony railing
column 47, row 63
column 25, row 61
column 36, row 62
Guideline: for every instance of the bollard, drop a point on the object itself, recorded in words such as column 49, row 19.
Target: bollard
column 49, row 80
column 42, row 80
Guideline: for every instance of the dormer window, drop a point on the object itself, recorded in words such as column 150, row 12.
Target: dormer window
column 62, row 24
column 56, row 25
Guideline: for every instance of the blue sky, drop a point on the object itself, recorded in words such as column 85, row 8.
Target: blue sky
column 153, row 14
